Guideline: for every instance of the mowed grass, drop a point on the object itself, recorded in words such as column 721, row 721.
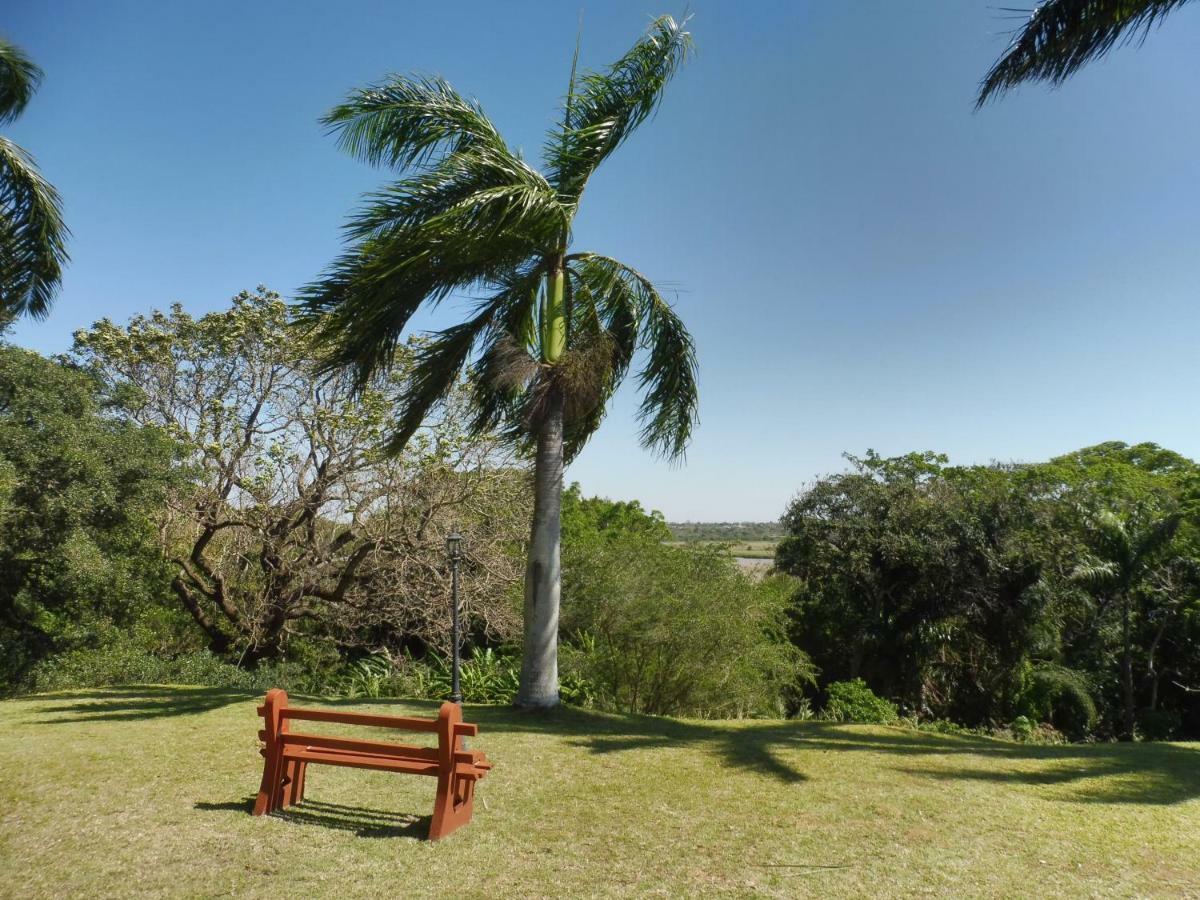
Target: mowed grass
column 744, row 549
column 146, row 792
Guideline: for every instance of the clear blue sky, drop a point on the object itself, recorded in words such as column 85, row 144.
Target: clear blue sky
column 864, row 261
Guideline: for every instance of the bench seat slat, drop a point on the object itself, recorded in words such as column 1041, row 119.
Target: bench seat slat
column 362, row 761
column 347, row 718
column 353, row 745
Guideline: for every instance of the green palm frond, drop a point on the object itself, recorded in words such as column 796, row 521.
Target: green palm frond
column 668, row 380
column 1097, row 575
column 604, row 108
column 409, row 121
column 469, row 215
column 437, row 366
column 1062, row 36
column 19, row 79
column 32, row 235
column 1155, row 538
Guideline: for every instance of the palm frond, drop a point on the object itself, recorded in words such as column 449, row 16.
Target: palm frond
column 1062, row 36
column 455, row 228
column 668, row 380
column 1096, row 575
column 604, row 108
column 19, row 79
column 407, row 121
column 32, row 235
column 437, row 366
column 1155, row 538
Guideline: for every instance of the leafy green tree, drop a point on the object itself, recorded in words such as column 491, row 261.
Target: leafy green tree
column 1062, row 36
column 32, row 234
column 1125, row 556
column 79, row 494
column 293, row 521
column 671, row 631
column 558, row 329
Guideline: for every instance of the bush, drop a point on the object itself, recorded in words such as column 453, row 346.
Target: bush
column 1059, row 697
column 1158, row 724
column 118, row 664
column 853, row 701
column 672, row 631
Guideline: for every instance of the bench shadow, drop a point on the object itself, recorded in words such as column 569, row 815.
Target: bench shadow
column 361, row 821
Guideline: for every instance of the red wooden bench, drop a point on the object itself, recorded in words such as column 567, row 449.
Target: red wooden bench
column 287, row 754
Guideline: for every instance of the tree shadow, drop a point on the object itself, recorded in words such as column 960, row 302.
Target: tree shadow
column 1147, row 773
column 136, row 703
column 361, row 821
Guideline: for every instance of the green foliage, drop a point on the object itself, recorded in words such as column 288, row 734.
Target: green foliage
column 853, row 701
column 947, row 588
column 126, row 664
column 79, row 494
column 32, row 234
column 1158, row 724
column 486, row 677
column 663, row 630
column 1059, row 697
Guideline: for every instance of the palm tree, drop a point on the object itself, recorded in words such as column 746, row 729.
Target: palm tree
column 1123, row 560
column 32, row 233
column 1062, row 36
column 556, row 331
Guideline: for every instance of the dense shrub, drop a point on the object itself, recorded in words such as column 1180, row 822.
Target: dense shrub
column 671, row 631
column 1158, row 724
column 853, row 701
column 123, row 664
column 1059, row 697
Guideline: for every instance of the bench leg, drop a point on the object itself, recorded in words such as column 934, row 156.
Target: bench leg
column 300, row 772
column 265, row 802
column 453, row 806
column 293, row 783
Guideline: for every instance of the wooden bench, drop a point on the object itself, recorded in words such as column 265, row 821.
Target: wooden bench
column 287, row 754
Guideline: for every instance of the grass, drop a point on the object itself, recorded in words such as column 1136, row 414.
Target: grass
column 146, row 791
column 744, row 549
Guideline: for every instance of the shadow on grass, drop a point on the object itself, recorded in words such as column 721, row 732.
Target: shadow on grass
column 361, row 821
column 1149, row 773
column 138, row 702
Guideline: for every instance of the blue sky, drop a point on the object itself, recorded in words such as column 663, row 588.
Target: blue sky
column 864, row 261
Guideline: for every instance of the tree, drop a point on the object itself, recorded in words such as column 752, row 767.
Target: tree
column 293, row 519
column 1062, row 36
column 32, row 234
column 1125, row 557
column 79, row 493
column 557, row 330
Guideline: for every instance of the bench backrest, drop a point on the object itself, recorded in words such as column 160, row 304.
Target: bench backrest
column 447, row 725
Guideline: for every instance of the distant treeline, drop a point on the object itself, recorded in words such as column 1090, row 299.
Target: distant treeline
column 726, row 531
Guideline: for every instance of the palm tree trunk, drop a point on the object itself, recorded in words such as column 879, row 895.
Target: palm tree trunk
column 543, row 584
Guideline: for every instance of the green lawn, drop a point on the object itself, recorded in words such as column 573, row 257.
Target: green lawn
column 146, row 791
column 744, row 549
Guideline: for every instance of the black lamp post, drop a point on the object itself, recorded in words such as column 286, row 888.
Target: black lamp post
column 454, row 553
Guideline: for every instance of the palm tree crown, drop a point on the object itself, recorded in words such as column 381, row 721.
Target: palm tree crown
column 469, row 214
column 1062, row 36
column 32, row 233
